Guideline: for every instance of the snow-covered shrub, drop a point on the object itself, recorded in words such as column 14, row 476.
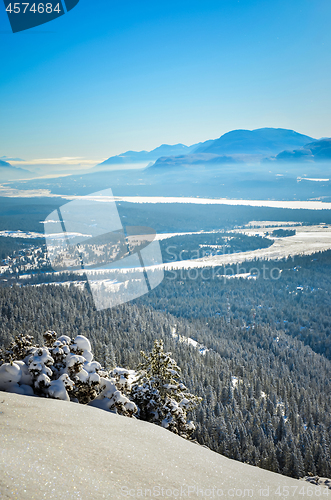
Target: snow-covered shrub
column 58, row 389
column 115, row 392
column 64, row 369
column 49, row 338
column 124, row 378
column 112, row 399
column 11, row 374
column 39, row 361
column 159, row 394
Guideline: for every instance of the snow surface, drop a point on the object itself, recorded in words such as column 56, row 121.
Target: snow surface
column 187, row 340
column 311, row 179
column 21, row 234
column 306, row 241
column 310, row 205
column 10, row 192
column 53, row 449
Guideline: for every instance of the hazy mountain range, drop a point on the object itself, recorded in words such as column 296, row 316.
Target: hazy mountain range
column 266, row 141
column 235, row 147
column 257, row 164
column 314, row 151
column 5, row 164
column 143, row 156
column 7, row 171
column 232, row 147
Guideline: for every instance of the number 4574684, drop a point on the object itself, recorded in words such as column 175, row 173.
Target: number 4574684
column 36, row 8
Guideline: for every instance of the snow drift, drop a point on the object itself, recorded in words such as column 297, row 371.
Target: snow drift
column 59, row 450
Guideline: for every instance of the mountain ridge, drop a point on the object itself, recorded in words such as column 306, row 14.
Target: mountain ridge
column 5, row 164
column 263, row 141
column 257, row 141
column 6, row 169
column 315, row 151
column 143, row 156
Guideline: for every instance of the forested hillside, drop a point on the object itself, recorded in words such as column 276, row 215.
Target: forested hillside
column 266, row 396
column 290, row 296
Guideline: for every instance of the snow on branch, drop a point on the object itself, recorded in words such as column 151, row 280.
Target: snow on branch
column 63, row 368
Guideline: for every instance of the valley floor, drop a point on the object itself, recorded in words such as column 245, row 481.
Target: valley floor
column 306, row 241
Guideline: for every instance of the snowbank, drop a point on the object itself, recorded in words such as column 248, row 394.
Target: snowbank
column 57, row 450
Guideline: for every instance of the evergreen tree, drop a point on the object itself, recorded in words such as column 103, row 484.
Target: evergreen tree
column 159, row 394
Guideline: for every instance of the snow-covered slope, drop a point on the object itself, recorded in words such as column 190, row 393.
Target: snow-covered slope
column 57, row 450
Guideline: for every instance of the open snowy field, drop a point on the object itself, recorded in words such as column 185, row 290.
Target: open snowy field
column 57, row 450
column 9, row 192
column 306, row 241
column 295, row 204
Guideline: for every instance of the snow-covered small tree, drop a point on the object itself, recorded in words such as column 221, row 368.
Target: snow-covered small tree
column 17, row 349
column 64, row 369
column 39, row 361
column 160, row 395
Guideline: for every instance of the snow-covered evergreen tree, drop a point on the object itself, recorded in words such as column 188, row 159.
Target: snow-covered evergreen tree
column 64, row 369
column 160, row 395
column 17, row 349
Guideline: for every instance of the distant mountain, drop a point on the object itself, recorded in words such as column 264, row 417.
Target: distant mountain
column 264, row 141
column 190, row 160
column 145, row 156
column 269, row 141
column 239, row 143
column 7, row 158
column 5, row 164
column 7, row 171
column 313, row 152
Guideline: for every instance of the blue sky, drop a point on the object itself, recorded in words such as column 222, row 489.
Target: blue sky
column 113, row 75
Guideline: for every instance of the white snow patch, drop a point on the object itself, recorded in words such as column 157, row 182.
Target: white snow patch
column 187, row 340
column 234, row 381
column 59, row 450
column 311, row 179
column 21, row 234
column 310, row 205
column 83, row 343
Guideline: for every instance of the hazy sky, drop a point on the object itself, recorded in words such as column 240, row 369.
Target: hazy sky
column 113, row 75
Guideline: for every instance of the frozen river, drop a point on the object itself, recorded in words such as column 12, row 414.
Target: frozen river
column 307, row 205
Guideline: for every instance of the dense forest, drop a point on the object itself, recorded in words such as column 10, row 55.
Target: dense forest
column 28, row 214
column 296, row 302
column 195, row 246
column 22, row 256
column 266, row 395
column 281, row 233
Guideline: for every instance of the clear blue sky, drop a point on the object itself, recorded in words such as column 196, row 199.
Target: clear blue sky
column 113, row 75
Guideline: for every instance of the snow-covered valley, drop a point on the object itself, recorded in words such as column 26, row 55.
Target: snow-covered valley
column 306, row 241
